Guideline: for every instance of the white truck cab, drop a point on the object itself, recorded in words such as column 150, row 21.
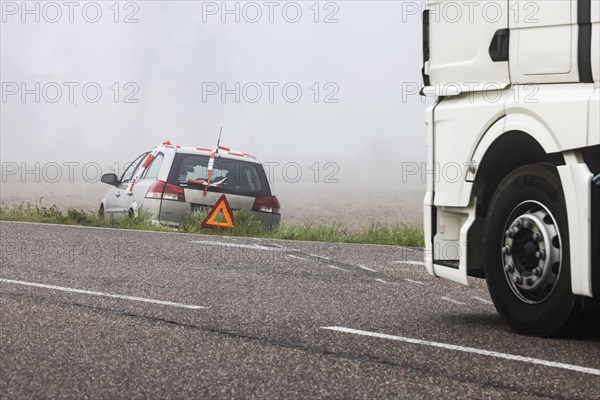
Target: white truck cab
column 513, row 155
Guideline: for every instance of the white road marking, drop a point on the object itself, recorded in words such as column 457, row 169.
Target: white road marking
column 472, row 350
column 293, row 256
column 413, row 281
column 242, row 245
column 102, row 294
column 453, row 301
column 341, row 269
column 365, row 268
column 386, row 282
column 321, row 257
column 482, row 300
column 420, row 263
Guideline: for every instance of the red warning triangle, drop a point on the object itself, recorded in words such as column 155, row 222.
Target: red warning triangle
column 221, row 207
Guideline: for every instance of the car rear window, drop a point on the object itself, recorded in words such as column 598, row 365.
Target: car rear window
column 241, row 177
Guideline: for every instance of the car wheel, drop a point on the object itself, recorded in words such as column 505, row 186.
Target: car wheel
column 101, row 211
column 526, row 246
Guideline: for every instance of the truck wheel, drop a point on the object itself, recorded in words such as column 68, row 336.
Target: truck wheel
column 526, row 245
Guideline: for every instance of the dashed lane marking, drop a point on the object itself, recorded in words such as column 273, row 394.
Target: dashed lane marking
column 102, row 294
column 341, row 269
column 366, row 268
column 453, row 301
column 482, row 300
column 242, row 245
column 386, row 282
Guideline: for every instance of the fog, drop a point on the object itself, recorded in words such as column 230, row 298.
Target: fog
column 327, row 87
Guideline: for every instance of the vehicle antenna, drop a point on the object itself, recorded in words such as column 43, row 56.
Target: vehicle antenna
column 219, row 141
column 211, row 163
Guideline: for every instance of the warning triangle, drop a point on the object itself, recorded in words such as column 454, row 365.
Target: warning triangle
column 220, row 209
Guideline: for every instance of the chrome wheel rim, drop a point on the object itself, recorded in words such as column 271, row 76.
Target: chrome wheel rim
column 531, row 252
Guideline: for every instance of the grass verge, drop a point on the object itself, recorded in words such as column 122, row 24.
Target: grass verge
column 375, row 233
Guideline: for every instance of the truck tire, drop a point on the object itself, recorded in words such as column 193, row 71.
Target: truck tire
column 526, row 248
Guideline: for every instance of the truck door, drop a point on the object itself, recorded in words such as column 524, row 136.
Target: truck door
column 553, row 60
column 466, row 46
column 544, row 41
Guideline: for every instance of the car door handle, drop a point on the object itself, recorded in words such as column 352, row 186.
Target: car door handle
column 118, row 194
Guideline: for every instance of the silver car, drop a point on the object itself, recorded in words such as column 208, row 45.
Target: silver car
column 169, row 182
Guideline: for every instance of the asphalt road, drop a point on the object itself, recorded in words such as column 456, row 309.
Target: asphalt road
column 100, row 313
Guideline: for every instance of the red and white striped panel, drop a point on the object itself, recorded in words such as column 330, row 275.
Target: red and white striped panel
column 232, row 152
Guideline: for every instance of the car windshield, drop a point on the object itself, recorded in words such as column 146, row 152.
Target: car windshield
column 235, row 176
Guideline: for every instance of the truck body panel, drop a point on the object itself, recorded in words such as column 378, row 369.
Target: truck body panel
column 546, row 90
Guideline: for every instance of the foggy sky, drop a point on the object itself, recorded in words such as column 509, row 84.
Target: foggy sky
column 174, row 50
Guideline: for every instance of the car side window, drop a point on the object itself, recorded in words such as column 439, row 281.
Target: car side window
column 154, row 168
column 129, row 172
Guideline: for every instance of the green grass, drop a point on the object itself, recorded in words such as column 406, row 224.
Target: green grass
column 245, row 226
column 52, row 215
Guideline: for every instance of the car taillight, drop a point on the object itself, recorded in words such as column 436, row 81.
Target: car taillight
column 165, row 191
column 268, row 204
column 173, row 192
column 156, row 190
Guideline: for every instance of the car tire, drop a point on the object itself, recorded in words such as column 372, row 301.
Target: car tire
column 101, row 211
column 526, row 249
